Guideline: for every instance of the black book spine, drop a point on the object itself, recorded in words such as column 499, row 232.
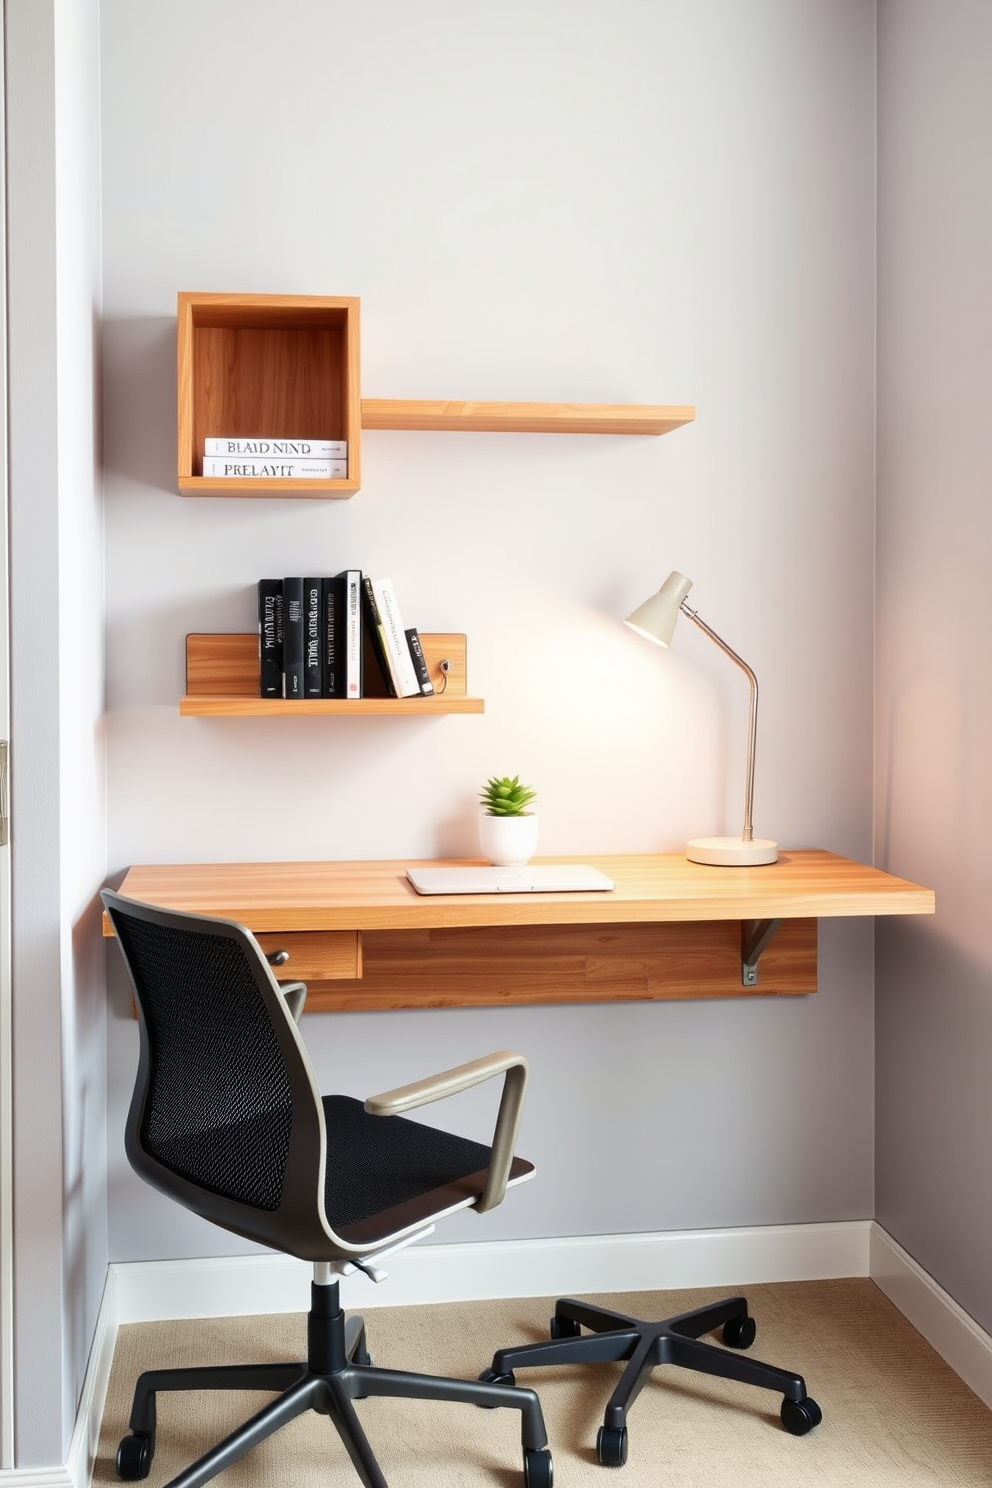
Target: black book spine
column 313, row 668
column 331, row 642
column 293, row 644
column 419, row 664
column 270, row 637
column 376, row 636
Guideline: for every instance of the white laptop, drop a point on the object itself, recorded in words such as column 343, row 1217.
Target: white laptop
column 548, row 878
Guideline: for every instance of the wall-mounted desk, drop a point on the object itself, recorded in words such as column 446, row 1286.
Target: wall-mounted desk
column 361, row 938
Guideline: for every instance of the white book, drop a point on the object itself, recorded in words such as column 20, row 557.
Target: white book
column 286, row 449
column 401, row 662
column 275, row 469
column 352, row 631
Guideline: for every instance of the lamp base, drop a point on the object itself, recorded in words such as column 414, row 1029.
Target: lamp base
column 731, row 852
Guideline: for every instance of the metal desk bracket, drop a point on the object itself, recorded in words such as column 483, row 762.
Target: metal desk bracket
column 755, row 935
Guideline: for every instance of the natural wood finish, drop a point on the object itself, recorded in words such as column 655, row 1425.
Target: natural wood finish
column 670, row 928
column 264, row 365
column 315, row 956
column 523, row 418
column 222, row 680
column 650, row 888
column 223, row 665
column 516, row 965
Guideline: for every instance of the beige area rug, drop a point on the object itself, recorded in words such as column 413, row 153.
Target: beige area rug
column 894, row 1413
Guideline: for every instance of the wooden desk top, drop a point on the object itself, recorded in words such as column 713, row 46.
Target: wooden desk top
column 650, row 888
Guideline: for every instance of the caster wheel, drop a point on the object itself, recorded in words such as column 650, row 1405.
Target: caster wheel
column 611, row 1446
column 134, row 1458
column 739, row 1332
column 562, row 1327
column 490, row 1377
column 538, row 1469
column 800, row 1416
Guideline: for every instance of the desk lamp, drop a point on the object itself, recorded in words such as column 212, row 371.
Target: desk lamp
column 656, row 619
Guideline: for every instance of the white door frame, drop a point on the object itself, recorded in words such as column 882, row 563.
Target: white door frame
column 6, row 1062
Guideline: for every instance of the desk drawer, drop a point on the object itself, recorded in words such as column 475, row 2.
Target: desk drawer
column 315, row 955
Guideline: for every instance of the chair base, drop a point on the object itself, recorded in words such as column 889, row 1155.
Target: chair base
column 615, row 1337
column 337, row 1371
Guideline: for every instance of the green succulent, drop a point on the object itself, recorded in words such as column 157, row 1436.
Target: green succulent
column 502, row 796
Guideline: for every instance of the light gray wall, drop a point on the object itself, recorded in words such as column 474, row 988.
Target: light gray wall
column 626, row 202
column 58, row 763
column 934, row 785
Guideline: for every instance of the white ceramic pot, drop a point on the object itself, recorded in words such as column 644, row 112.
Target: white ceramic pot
column 508, row 841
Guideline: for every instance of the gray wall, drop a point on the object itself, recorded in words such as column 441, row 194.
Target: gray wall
column 644, row 203
column 58, row 803
column 934, row 978
column 634, row 202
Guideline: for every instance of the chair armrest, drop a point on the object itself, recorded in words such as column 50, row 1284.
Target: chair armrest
column 513, row 1067
column 295, row 994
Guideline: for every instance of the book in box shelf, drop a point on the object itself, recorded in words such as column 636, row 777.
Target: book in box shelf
column 313, row 667
column 419, row 662
column 293, row 644
column 397, row 649
column 276, row 449
column 270, row 637
column 274, row 469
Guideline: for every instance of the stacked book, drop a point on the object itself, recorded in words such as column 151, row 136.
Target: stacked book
column 337, row 637
column 276, row 459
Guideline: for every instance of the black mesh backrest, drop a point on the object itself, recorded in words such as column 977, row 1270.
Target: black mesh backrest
column 218, row 1107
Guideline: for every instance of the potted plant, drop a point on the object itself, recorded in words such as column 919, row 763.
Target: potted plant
column 507, row 829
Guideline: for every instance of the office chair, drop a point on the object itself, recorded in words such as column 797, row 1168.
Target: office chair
column 227, row 1120
column 614, row 1337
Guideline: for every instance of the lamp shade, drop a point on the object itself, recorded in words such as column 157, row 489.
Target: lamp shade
column 656, row 617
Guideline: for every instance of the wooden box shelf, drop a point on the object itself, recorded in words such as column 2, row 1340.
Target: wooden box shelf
column 222, row 681
column 252, row 366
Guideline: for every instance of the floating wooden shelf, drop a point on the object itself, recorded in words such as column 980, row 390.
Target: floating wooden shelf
column 524, row 418
column 222, row 681
column 253, row 366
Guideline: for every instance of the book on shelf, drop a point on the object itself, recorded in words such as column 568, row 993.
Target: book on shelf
column 276, row 449
column 376, row 651
column 339, row 636
column 419, row 662
column 293, row 643
column 399, row 660
column 270, row 637
column 274, row 469
column 348, row 632
column 313, row 667
column 331, row 637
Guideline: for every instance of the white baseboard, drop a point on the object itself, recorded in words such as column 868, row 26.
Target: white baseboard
column 226, row 1286
column 77, row 1471
column 38, row 1477
column 265, row 1283
column 945, row 1325
column 86, row 1432
column 232, row 1286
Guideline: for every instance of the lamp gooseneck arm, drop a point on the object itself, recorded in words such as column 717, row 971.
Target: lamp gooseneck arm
column 752, row 722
